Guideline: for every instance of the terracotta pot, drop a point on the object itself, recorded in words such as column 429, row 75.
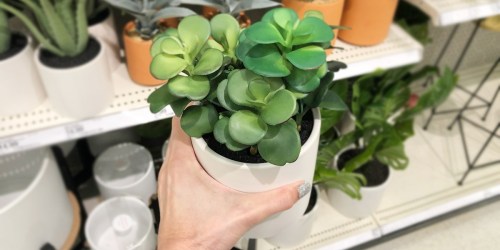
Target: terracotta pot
column 332, row 10
column 260, row 177
column 369, row 21
column 138, row 57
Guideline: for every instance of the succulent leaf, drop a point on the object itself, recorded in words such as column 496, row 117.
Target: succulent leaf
column 281, row 144
column 266, row 60
column 211, row 60
column 194, row 32
column 193, row 87
column 246, row 127
column 309, row 57
column 199, row 120
column 166, row 66
column 280, row 107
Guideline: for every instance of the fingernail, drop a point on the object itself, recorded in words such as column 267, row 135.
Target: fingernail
column 304, row 189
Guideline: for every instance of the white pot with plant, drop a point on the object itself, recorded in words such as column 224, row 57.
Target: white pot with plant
column 21, row 89
column 384, row 109
column 72, row 65
column 254, row 124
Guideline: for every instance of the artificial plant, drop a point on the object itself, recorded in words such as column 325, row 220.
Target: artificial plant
column 384, row 119
column 148, row 13
column 60, row 27
column 252, row 87
column 4, row 32
column 234, row 7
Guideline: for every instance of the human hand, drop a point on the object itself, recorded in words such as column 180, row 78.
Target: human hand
column 197, row 212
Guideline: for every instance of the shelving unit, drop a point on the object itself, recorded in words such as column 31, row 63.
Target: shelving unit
column 428, row 188
column 43, row 126
column 449, row 12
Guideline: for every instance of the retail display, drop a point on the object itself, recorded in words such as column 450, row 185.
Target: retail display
column 125, row 169
column 121, row 223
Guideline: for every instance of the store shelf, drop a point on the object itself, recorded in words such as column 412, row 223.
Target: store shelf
column 428, row 188
column 448, row 12
column 397, row 50
column 43, row 126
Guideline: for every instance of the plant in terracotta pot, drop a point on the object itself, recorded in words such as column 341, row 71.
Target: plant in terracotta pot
column 72, row 65
column 254, row 93
column 138, row 35
column 236, row 8
column 384, row 109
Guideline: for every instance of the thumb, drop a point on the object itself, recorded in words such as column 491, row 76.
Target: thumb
column 277, row 200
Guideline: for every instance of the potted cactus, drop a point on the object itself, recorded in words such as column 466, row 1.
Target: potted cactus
column 384, row 110
column 254, row 124
column 21, row 89
column 138, row 35
column 72, row 65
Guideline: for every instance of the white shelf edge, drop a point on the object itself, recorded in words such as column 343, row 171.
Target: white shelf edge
column 457, row 16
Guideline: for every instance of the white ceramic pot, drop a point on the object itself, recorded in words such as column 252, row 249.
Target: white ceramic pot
column 99, row 143
column 121, row 223
column 356, row 209
column 298, row 231
column 246, row 177
column 78, row 92
column 105, row 30
column 125, row 170
column 34, row 206
column 21, row 89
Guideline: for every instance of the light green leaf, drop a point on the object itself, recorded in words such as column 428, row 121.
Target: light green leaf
column 393, row 156
column 171, row 46
column 167, row 66
column 237, row 87
column 209, row 62
column 194, row 32
column 246, row 127
column 225, row 30
column 199, row 120
column 259, row 89
column 312, row 30
column 193, row 87
column 266, row 60
column 279, row 108
column 307, row 58
column 281, row 144
column 224, row 99
column 160, row 99
column 264, row 33
column 221, row 133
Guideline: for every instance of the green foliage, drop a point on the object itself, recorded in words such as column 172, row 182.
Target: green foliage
column 60, row 27
column 149, row 12
column 245, row 105
column 4, row 32
column 94, row 7
column 234, row 7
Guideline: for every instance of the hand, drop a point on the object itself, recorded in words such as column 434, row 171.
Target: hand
column 197, row 212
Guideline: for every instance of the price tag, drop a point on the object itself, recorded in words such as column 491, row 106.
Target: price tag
column 8, row 145
column 82, row 129
column 376, row 233
column 164, row 113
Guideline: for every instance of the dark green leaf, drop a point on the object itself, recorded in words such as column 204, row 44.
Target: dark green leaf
column 160, row 99
column 312, row 30
column 307, row 58
column 281, row 145
column 224, row 99
column 264, row 33
column 266, row 60
column 178, row 106
column 199, row 120
column 332, row 101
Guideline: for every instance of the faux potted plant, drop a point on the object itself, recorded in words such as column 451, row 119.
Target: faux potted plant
column 138, row 35
column 331, row 10
column 384, row 109
column 254, row 125
column 72, row 65
column 21, row 90
column 369, row 21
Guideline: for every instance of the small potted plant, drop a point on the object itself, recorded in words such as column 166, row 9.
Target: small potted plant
column 254, row 124
column 21, row 90
column 72, row 65
column 384, row 109
column 138, row 35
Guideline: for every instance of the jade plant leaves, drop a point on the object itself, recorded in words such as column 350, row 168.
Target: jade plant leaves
column 225, row 30
column 209, row 62
column 281, row 144
column 309, row 57
column 312, row 30
column 246, row 127
column 160, row 98
column 194, row 31
column 265, row 33
column 199, row 120
column 224, row 99
column 221, row 134
column 280, row 107
column 193, row 87
column 266, row 60
column 166, row 66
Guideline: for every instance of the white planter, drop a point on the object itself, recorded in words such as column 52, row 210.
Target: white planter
column 356, row 209
column 21, row 89
column 246, row 177
column 121, row 223
column 105, row 30
column 78, row 92
column 299, row 230
column 34, row 205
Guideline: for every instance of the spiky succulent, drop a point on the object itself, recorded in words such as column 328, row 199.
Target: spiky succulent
column 252, row 87
column 149, row 12
column 234, row 7
column 4, row 32
column 60, row 27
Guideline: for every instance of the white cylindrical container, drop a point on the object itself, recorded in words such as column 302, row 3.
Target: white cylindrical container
column 79, row 92
column 247, row 177
column 121, row 223
column 34, row 205
column 99, row 143
column 299, row 230
column 21, row 89
column 105, row 30
column 125, row 170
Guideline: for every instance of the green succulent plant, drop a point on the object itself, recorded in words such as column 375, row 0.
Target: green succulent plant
column 383, row 120
column 244, row 106
column 234, row 7
column 4, row 32
column 94, row 7
column 60, row 27
column 148, row 12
